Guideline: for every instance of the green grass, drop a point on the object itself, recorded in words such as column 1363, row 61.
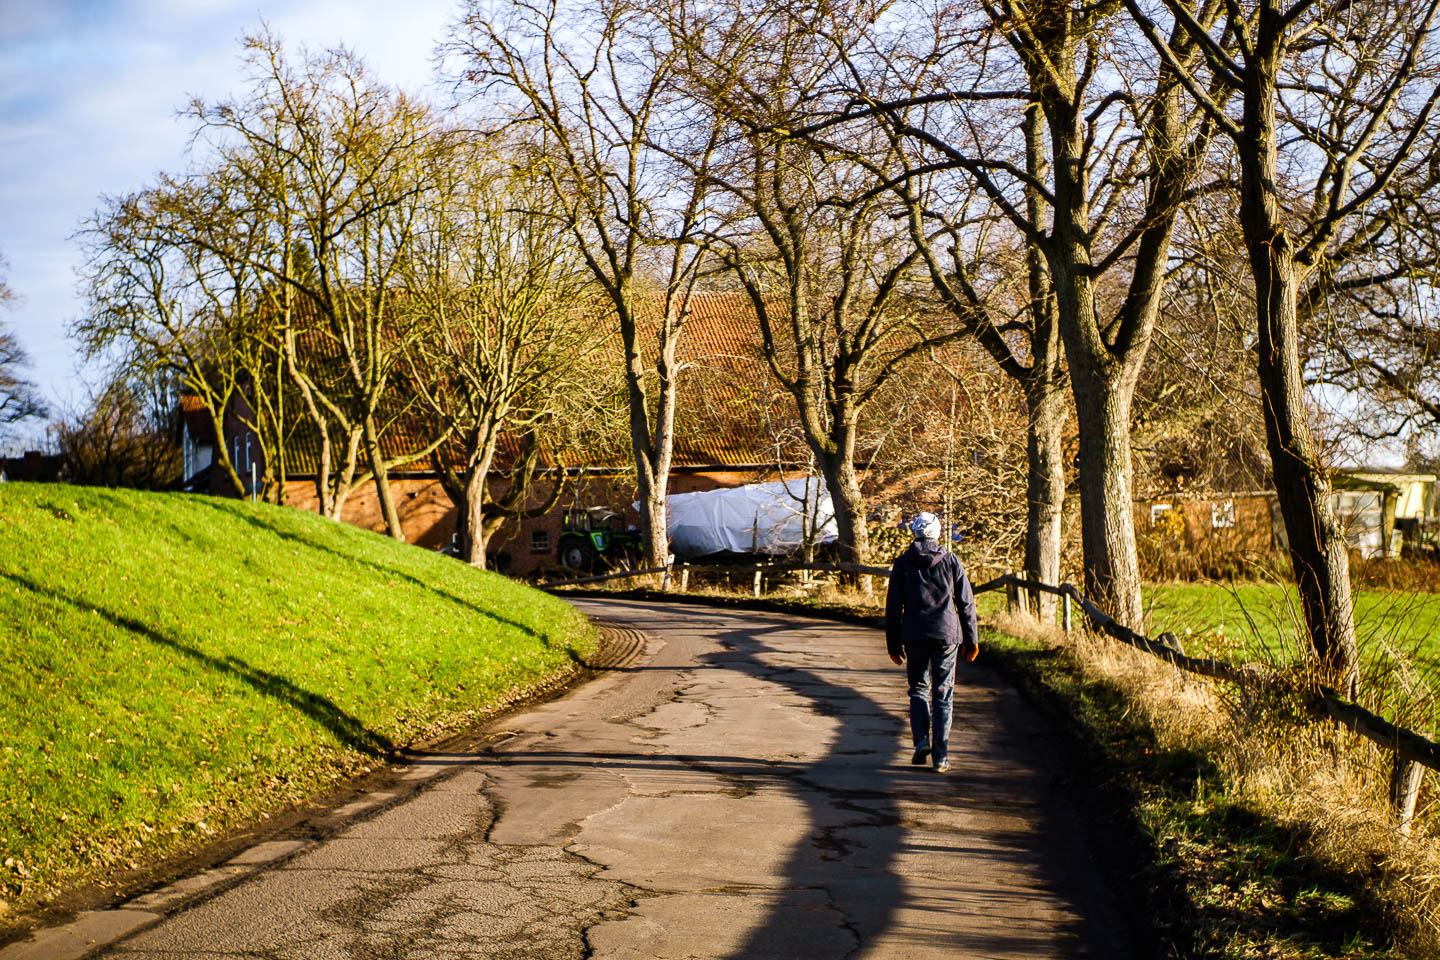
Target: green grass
column 175, row 666
column 1262, row 620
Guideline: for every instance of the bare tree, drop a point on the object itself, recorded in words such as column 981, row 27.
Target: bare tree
column 595, row 82
column 19, row 400
column 330, row 166
column 826, row 264
column 1198, row 424
column 126, row 438
column 500, row 296
column 162, row 305
column 1088, row 159
column 1329, row 105
column 1379, row 342
column 997, row 285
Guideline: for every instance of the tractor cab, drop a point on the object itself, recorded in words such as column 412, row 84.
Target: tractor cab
column 595, row 537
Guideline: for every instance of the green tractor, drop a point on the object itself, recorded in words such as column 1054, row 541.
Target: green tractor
column 596, row 539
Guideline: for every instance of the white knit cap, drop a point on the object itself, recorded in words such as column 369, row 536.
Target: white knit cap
column 926, row 526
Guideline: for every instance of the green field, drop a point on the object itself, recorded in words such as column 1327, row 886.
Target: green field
column 1262, row 620
column 177, row 665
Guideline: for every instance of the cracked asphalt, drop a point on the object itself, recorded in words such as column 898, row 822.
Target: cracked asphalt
column 741, row 790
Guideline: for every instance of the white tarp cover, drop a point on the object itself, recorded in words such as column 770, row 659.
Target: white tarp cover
column 756, row 518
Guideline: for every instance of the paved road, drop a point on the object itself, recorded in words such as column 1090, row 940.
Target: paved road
column 740, row 791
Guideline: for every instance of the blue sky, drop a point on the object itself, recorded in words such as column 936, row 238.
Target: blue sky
column 88, row 100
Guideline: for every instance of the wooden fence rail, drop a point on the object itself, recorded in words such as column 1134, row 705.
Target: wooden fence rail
column 1411, row 750
column 617, row 575
column 1167, row 648
column 761, row 568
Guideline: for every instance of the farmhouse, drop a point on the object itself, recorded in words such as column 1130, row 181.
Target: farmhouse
column 730, row 430
column 1384, row 512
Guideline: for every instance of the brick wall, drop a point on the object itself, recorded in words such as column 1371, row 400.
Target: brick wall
column 429, row 517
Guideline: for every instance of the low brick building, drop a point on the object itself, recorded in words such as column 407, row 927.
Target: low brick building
column 725, row 437
column 1382, row 511
column 1201, row 532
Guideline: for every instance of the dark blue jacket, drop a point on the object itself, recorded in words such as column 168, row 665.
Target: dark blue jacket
column 927, row 583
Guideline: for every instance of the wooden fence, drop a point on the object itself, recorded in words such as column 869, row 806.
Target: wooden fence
column 679, row 574
column 1412, row 751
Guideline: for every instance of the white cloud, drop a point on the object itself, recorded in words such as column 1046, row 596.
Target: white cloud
column 88, row 99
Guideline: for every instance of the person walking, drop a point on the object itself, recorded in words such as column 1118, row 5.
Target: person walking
column 929, row 618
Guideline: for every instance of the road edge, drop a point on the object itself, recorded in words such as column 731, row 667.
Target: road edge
column 91, row 918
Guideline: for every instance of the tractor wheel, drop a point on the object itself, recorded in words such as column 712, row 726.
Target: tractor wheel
column 576, row 554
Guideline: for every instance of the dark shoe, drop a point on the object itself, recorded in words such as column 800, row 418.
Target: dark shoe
column 943, row 766
column 922, row 755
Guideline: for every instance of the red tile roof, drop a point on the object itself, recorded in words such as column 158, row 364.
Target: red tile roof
column 196, row 419
column 728, row 401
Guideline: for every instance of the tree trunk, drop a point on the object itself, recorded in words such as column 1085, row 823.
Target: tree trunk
column 650, row 488
column 1107, row 511
column 382, row 480
column 323, row 470
column 342, row 482
column 281, row 467
column 339, row 496
column 1044, row 394
column 655, row 519
column 474, row 518
column 1045, row 486
column 1102, row 377
column 1318, row 550
column 843, row 485
column 475, row 490
column 651, row 447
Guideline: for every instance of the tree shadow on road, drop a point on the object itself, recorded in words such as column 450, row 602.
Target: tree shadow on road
column 857, row 798
column 858, row 795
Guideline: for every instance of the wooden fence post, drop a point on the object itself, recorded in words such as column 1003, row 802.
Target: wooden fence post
column 1065, row 612
column 1012, row 597
column 1404, row 790
column 757, row 583
column 684, row 578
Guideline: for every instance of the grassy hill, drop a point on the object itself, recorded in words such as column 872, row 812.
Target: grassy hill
column 175, row 665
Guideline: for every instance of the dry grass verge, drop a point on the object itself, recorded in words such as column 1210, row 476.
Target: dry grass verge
column 1271, row 832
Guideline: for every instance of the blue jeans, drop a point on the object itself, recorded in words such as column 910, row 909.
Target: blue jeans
column 930, row 669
